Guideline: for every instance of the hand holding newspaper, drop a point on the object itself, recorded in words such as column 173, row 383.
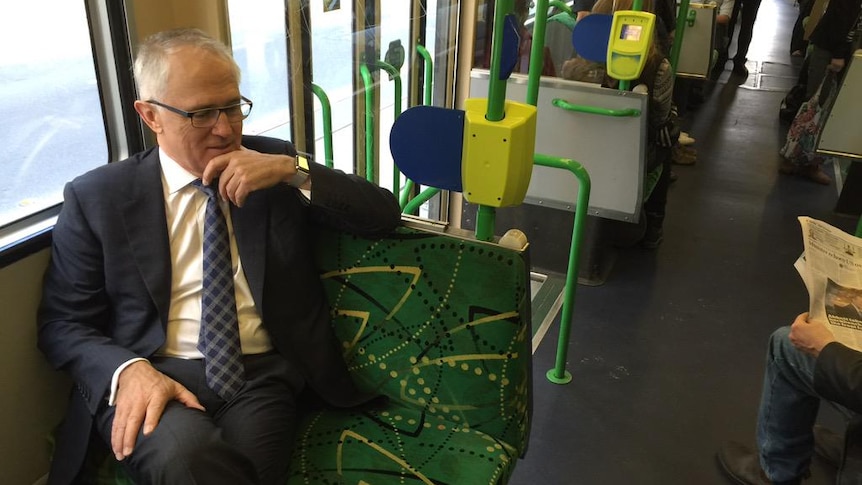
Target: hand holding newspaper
column 831, row 268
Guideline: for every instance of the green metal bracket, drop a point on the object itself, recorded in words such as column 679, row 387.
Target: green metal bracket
column 326, row 112
column 690, row 18
column 579, row 108
column 559, row 374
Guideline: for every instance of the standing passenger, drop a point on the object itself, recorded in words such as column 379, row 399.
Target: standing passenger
column 185, row 386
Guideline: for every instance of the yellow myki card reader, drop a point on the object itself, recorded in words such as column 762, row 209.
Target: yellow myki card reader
column 628, row 47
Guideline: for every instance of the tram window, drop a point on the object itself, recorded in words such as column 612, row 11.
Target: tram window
column 394, row 26
column 53, row 127
column 332, row 54
column 259, row 47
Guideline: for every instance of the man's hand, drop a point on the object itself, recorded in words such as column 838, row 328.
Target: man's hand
column 836, row 64
column 142, row 394
column 243, row 171
column 810, row 337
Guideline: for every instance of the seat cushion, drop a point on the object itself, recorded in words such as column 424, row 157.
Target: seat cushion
column 395, row 444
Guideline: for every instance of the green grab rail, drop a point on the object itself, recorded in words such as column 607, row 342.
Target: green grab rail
column 326, row 112
column 537, row 53
column 559, row 374
column 369, row 122
column 497, row 86
column 429, row 73
column 424, row 196
column 404, row 196
column 859, row 228
column 369, row 117
column 595, row 110
column 560, row 5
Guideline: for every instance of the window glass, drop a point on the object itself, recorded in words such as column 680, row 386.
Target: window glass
column 333, row 70
column 53, row 128
column 394, row 30
column 259, row 44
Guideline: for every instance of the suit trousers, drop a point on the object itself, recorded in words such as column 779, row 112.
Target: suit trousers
column 246, row 440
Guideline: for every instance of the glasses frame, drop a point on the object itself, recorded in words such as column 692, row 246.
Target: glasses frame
column 191, row 114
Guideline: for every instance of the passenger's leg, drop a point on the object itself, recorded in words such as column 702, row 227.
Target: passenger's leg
column 788, row 409
column 262, row 420
column 748, row 15
column 185, row 447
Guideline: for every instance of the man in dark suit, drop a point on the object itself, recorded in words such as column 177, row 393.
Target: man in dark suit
column 125, row 293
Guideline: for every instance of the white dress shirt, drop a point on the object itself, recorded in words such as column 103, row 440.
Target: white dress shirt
column 185, row 207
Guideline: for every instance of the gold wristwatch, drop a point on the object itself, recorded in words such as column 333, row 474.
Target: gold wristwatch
column 302, row 170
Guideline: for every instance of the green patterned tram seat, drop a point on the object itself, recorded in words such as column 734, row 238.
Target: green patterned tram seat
column 440, row 325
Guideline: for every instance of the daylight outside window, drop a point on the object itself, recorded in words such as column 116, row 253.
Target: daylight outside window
column 53, row 129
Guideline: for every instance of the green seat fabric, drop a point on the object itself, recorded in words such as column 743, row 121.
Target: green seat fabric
column 441, row 326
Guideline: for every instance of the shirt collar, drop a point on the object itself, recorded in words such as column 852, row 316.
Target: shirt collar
column 176, row 177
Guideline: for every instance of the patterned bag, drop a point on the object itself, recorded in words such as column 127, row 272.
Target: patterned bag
column 801, row 144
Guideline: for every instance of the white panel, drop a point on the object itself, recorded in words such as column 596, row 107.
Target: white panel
column 611, row 149
column 697, row 41
column 842, row 133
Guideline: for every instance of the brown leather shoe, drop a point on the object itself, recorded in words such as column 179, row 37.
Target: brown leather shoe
column 742, row 464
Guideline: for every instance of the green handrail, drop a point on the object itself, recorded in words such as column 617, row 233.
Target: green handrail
column 369, row 122
column 537, row 53
column 429, row 73
column 580, row 108
column 404, row 196
column 369, row 116
column 424, row 196
column 560, row 5
column 559, row 374
column 326, row 112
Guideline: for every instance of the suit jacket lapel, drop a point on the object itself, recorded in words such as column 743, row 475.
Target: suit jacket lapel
column 250, row 229
column 146, row 228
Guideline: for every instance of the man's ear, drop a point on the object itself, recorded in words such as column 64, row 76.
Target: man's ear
column 148, row 113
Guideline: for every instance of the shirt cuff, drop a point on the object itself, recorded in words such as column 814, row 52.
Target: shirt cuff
column 115, row 380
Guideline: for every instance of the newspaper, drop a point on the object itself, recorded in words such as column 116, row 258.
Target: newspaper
column 831, row 268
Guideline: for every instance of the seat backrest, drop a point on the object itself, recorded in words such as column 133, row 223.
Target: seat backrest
column 438, row 323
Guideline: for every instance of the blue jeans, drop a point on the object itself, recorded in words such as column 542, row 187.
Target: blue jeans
column 788, row 409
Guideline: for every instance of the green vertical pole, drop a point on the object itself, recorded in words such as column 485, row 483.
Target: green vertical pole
column 429, row 73
column 396, row 77
column 497, row 86
column 485, row 221
column 326, row 112
column 369, row 122
column 537, row 52
column 559, row 374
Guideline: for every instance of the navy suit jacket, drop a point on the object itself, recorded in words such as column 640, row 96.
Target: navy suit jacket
column 107, row 288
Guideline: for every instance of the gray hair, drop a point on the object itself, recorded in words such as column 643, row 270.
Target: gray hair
column 151, row 64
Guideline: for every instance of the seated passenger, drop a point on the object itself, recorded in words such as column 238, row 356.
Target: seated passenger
column 180, row 295
column 662, row 133
column 804, row 365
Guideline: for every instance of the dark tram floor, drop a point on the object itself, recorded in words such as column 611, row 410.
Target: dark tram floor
column 668, row 354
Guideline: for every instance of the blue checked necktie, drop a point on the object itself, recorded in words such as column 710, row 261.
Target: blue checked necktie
column 219, row 337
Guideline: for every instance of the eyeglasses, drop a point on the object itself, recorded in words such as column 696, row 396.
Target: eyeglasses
column 208, row 117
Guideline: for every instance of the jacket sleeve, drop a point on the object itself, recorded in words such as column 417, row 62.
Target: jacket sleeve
column 838, row 376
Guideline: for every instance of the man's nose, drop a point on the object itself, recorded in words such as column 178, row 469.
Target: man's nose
column 222, row 125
